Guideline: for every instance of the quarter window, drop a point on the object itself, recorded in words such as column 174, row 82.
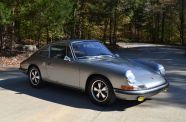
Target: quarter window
column 44, row 52
column 58, row 51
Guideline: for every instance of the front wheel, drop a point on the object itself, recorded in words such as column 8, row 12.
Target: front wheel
column 35, row 77
column 101, row 92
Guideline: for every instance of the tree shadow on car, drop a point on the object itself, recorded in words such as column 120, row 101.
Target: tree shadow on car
column 61, row 95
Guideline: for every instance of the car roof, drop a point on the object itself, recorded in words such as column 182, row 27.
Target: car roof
column 71, row 41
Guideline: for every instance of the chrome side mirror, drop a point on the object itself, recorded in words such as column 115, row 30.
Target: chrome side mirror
column 67, row 58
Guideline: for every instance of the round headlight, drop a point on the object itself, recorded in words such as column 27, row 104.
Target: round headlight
column 130, row 76
column 161, row 69
column 133, row 83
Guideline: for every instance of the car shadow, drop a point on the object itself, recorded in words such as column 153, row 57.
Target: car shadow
column 59, row 94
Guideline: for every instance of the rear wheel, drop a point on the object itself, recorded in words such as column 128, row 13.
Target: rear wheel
column 100, row 91
column 35, row 77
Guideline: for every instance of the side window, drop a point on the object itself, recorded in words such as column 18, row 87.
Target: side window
column 44, row 52
column 58, row 51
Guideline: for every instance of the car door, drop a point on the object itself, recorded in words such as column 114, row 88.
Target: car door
column 61, row 67
column 40, row 59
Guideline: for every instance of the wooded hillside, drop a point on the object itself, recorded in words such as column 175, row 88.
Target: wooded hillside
column 43, row 21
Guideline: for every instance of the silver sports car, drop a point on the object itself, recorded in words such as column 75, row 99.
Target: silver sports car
column 88, row 65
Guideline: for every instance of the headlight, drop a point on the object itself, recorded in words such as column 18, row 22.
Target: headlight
column 161, row 69
column 132, row 84
column 130, row 76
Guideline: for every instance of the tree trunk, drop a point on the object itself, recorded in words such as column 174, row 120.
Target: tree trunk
column 182, row 22
column 38, row 35
column 162, row 26
column 105, row 30
column 153, row 32
column 13, row 31
column 114, row 28
column 1, row 38
column 74, row 26
column 48, row 37
column 158, row 27
column 89, row 33
column 80, row 28
column 110, row 31
column 17, row 28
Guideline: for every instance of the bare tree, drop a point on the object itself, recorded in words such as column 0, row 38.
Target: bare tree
column 182, row 19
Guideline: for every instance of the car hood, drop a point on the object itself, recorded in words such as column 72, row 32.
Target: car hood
column 143, row 74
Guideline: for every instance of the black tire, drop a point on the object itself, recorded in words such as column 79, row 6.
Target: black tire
column 101, row 91
column 35, row 77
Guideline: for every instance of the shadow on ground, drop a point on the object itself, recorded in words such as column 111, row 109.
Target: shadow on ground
column 58, row 94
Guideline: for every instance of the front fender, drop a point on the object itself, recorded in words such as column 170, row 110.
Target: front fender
column 150, row 64
column 115, row 77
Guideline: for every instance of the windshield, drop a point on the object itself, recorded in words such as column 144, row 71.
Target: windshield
column 88, row 49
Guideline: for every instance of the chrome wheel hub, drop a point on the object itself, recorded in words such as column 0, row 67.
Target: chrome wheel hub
column 99, row 91
column 34, row 77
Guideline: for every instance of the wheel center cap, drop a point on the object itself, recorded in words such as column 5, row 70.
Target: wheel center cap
column 99, row 91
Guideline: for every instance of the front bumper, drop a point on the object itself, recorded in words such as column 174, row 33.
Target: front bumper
column 134, row 95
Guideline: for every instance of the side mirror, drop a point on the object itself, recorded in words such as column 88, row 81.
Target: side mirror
column 117, row 55
column 67, row 58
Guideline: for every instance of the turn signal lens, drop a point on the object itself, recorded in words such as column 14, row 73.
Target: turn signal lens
column 127, row 87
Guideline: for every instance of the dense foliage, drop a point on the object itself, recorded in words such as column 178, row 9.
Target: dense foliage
column 43, row 21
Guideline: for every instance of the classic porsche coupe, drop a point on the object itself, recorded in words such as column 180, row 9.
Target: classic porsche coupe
column 89, row 66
